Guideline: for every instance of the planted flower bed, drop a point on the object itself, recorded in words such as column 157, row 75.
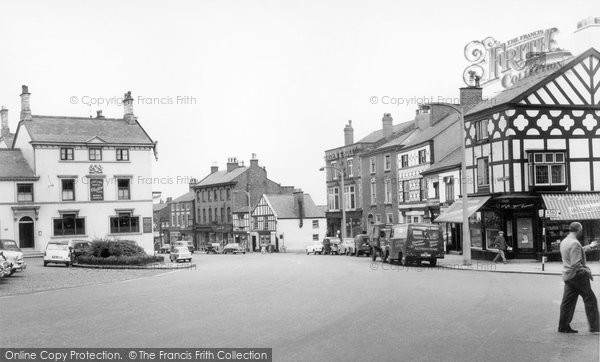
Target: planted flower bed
column 117, row 252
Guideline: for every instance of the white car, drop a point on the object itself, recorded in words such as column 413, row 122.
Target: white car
column 57, row 252
column 315, row 248
column 180, row 253
column 13, row 255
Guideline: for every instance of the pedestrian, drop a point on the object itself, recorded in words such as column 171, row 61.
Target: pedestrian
column 577, row 276
column 500, row 244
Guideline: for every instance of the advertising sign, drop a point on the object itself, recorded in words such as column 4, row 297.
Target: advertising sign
column 96, row 189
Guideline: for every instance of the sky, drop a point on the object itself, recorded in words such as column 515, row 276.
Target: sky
column 218, row 79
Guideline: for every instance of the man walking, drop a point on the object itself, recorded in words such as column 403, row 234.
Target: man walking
column 576, row 276
column 500, row 243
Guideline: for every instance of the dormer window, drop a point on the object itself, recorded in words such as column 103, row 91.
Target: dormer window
column 95, row 154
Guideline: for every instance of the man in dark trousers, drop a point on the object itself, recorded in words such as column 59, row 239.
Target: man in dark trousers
column 500, row 243
column 576, row 276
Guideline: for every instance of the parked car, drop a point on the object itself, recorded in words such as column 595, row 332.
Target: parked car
column 165, row 249
column 5, row 266
column 13, row 255
column 78, row 248
column 180, row 253
column 58, row 252
column 336, row 246
column 214, row 248
column 315, row 248
column 361, row 245
column 233, row 248
column 349, row 247
column 187, row 243
column 379, row 241
column 413, row 243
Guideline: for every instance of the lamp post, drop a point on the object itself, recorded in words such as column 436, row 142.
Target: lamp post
column 249, row 216
column 463, row 185
column 341, row 172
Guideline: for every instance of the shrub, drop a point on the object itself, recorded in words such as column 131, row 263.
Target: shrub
column 120, row 260
column 117, row 252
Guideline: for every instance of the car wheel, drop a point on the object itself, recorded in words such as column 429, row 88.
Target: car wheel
column 433, row 262
column 45, row 263
column 67, row 264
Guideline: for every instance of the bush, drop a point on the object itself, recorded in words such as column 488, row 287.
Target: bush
column 117, row 252
column 120, row 260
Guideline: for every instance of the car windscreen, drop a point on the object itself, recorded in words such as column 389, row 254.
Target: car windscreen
column 425, row 233
column 57, row 247
column 8, row 245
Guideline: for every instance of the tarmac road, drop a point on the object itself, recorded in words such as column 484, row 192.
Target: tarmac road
column 310, row 308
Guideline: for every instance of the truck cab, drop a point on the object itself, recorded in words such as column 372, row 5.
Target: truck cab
column 413, row 243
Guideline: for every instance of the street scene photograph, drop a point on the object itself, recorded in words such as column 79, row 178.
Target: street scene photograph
column 299, row 180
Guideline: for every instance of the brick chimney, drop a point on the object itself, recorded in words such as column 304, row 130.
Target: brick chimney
column 254, row 161
column 232, row 164
column 387, row 121
column 25, row 110
column 4, row 130
column 348, row 134
column 299, row 205
column 214, row 168
column 423, row 117
column 128, row 108
column 99, row 114
column 471, row 95
column 192, row 183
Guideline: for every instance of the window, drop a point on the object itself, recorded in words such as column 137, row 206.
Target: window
column 122, row 154
column 315, row 237
column 315, row 224
column 406, row 190
column 216, row 195
column 377, row 218
column 216, row 215
column 373, row 192
column 423, row 188
column 547, row 168
column 68, row 189
column 372, row 165
column 24, row 192
column 203, row 195
column 333, row 198
column 422, row 157
column 349, row 197
column 389, row 218
column 481, row 130
column 228, row 213
column 68, row 224
column 436, row 190
column 404, row 161
column 223, row 215
column 210, row 215
column 66, row 154
column 177, row 207
column 204, row 216
column 188, row 207
column 388, row 190
column 95, row 154
column 173, row 222
column 221, row 194
column 228, row 194
column 449, row 182
column 334, row 170
column 482, row 172
column 179, row 220
column 209, row 195
column 387, row 162
column 124, row 223
column 123, row 192
column 350, row 164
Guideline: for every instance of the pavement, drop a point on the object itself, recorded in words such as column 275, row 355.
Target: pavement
column 525, row 266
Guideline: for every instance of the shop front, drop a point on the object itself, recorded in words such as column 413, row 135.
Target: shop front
column 354, row 224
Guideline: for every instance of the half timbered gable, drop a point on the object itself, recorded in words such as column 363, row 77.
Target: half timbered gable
column 263, row 216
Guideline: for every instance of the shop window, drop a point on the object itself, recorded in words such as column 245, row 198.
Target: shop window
column 24, row 192
column 68, row 224
column 66, row 154
column 124, row 222
column 493, row 224
column 68, row 189
column 547, row 168
column 475, row 230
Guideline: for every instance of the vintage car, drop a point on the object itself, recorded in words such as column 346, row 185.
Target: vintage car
column 187, row 243
column 78, row 248
column 233, row 248
column 362, row 245
column 13, row 255
column 58, row 252
column 315, row 248
column 213, row 248
column 413, row 243
column 5, row 266
column 180, row 253
column 348, row 246
column 165, row 249
column 336, row 246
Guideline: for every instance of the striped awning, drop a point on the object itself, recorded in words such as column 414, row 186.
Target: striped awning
column 572, row 206
column 454, row 213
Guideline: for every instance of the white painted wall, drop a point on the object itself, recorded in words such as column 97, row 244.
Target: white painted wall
column 295, row 238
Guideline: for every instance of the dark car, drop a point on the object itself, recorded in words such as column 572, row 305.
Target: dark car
column 361, row 245
column 413, row 243
column 79, row 247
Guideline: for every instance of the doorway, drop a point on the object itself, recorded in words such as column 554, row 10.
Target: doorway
column 26, row 232
column 523, row 235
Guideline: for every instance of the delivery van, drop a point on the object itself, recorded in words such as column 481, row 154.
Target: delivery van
column 413, row 243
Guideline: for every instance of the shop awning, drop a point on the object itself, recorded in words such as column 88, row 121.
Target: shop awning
column 454, row 213
column 572, row 206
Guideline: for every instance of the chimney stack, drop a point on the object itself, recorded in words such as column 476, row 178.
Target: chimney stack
column 299, row 204
column 232, row 164
column 25, row 110
column 128, row 108
column 192, row 183
column 99, row 114
column 471, row 95
column 214, row 168
column 4, row 130
column 348, row 134
column 387, row 121
column 254, row 161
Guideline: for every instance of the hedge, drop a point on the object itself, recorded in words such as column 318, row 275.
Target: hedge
column 117, row 252
column 120, row 260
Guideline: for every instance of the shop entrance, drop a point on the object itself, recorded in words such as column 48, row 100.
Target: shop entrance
column 26, row 232
column 523, row 235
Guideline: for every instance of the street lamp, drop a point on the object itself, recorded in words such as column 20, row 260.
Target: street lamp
column 341, row 172
column 249, row 216
column 465, row 209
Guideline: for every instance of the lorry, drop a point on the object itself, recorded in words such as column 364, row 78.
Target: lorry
column 413, row 243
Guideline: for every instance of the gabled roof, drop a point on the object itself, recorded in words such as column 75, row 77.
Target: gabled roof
column 378, row 135
column 64, row 130
column 8, row 139
column 527, row 85
column 420, row 136
column 396, row 141
column 13, row 165
column 451, row 160
column 221, row 177
column 284, row 206
column 188, row 196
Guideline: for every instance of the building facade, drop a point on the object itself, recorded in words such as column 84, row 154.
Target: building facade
column 77, row 177
column 181, row 219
